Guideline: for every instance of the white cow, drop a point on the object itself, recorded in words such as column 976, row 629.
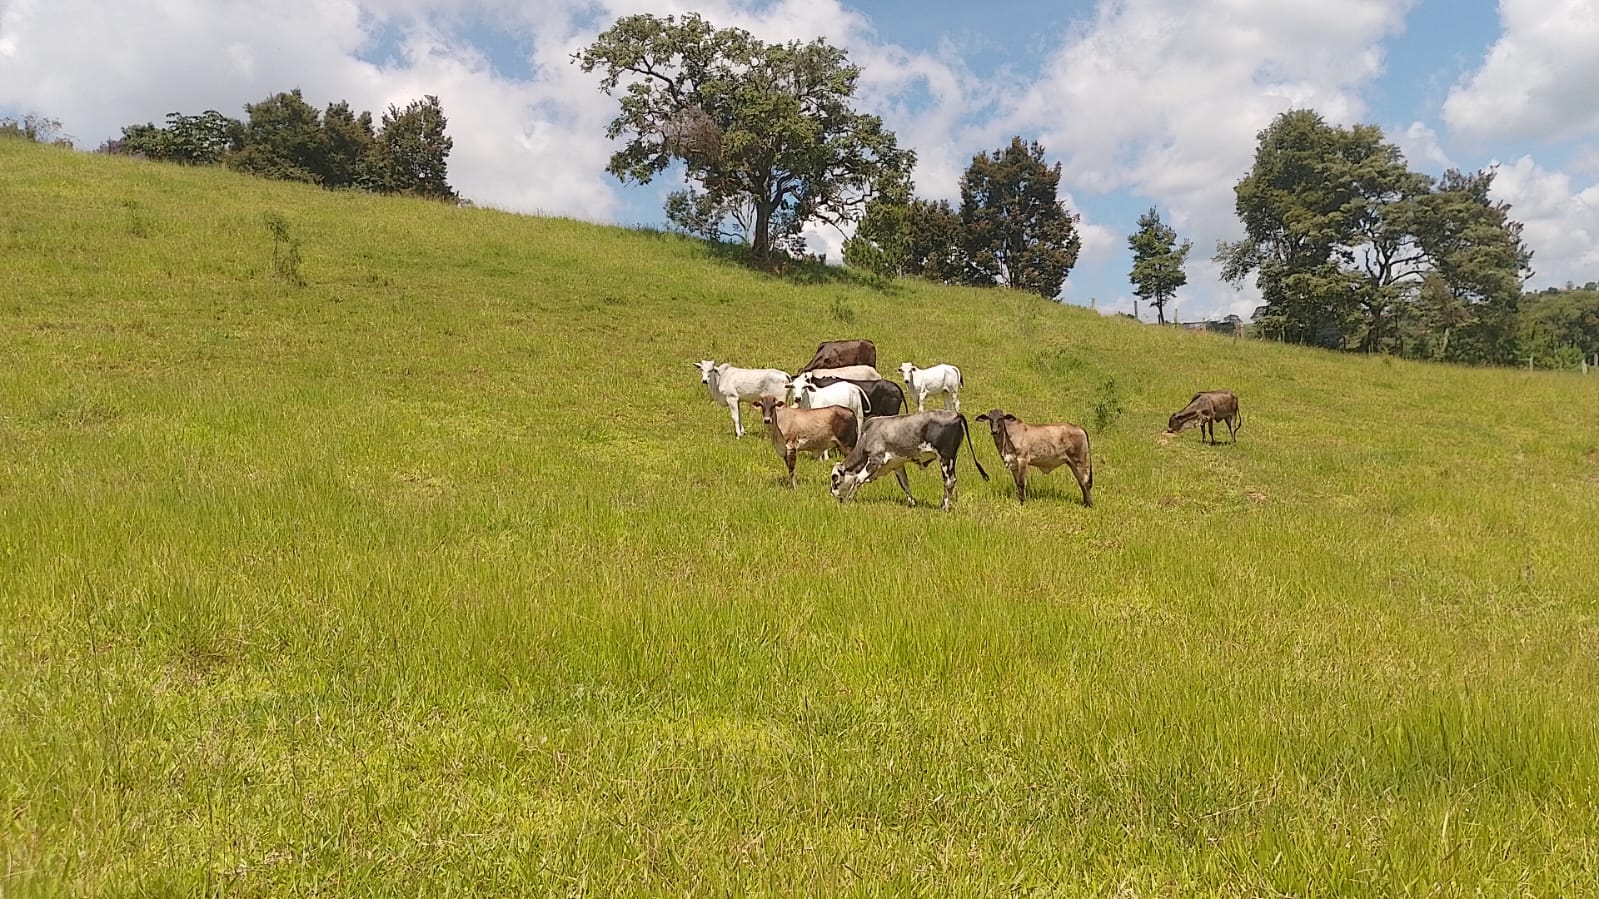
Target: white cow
column 729, row 385
column 924, row 382
column 809, row 396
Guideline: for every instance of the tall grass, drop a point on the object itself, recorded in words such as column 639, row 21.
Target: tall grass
column 440, row 574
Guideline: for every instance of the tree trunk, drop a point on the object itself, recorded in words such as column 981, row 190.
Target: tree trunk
column 761, row 244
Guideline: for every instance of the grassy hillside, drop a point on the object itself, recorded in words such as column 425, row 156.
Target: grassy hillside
column 441, row 575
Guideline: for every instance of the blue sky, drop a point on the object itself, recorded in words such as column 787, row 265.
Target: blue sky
column 1144, row 102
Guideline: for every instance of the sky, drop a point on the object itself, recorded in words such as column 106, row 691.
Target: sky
column 1144, row 103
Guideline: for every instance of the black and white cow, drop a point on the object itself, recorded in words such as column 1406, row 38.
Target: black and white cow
column 887, row 444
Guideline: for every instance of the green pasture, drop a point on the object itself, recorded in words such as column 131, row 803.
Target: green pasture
column 438, row 574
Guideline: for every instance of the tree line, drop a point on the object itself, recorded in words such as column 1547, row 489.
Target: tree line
column 1349, row 248
column 286, row 138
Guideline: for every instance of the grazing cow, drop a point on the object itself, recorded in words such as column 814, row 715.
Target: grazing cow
column 729, row 385
column 1205, row 409
column 886, row 444
column 835, row 353
column 925, row 382
column 814, row 431
column 882, row 397
column 1044, row 447
column 852, row 372
column 842, row 393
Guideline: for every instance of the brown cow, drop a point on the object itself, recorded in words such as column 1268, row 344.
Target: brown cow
column 1044, row 447
column 814, row 431
column 1205, row 409
column 839, row 353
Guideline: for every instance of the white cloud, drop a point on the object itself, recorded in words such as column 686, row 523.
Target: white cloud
column 1164, row 99
column 1537, row 80
column 1419, row 142
column 1561, row 221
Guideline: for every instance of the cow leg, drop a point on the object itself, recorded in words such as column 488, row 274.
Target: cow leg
column 789, row 458
column 1020, row 476
column 1082, row 482
column 921, row 401
column 738, row 422
column 948, row 467
column 955, row 396
column 1232, row 431
column 904, row 484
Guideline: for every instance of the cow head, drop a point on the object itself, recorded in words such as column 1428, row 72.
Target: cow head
column 905, row 369
column 1187, row 418
column 843, row 483
column 799, row 385
column 768, row 405
column 706, row 366
column 997, row 419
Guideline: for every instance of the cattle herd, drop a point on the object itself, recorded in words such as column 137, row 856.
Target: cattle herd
column 840, row 402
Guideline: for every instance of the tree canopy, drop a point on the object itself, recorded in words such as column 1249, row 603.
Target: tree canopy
column 765, row 133
column 1157, row 262
column 901, row 234
column 1352, row 249
column 1016, row 230
column 285, row 137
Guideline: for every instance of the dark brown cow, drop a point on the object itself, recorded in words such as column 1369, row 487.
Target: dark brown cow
column 814, row 431
column 1044, row 447
column 1205, row 409
column 839, row 353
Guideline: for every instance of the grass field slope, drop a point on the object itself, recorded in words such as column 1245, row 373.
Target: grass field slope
column 438, row 574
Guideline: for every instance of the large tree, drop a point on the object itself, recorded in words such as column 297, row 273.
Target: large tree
column 1017, row 231
column 766, row 131
column 411, row 152
column 282, row 139
column 1342, row 238
column 1157, row 262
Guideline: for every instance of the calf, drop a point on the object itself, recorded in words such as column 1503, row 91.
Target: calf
column 882, row 397
column 813, row 431
column 924, row 382
column 729, row 385
column 834, row 353
column 886, row 444
column 1205, row 409
column 1044, row 447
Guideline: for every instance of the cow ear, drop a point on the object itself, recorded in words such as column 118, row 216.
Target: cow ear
column 780, row 404
column 983, row 417
column 1009, row 417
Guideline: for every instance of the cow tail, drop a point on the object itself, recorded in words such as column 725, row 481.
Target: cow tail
column 967, row 428
column 1240, row 427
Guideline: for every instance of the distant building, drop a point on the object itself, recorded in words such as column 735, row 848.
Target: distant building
column 1231, row 324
